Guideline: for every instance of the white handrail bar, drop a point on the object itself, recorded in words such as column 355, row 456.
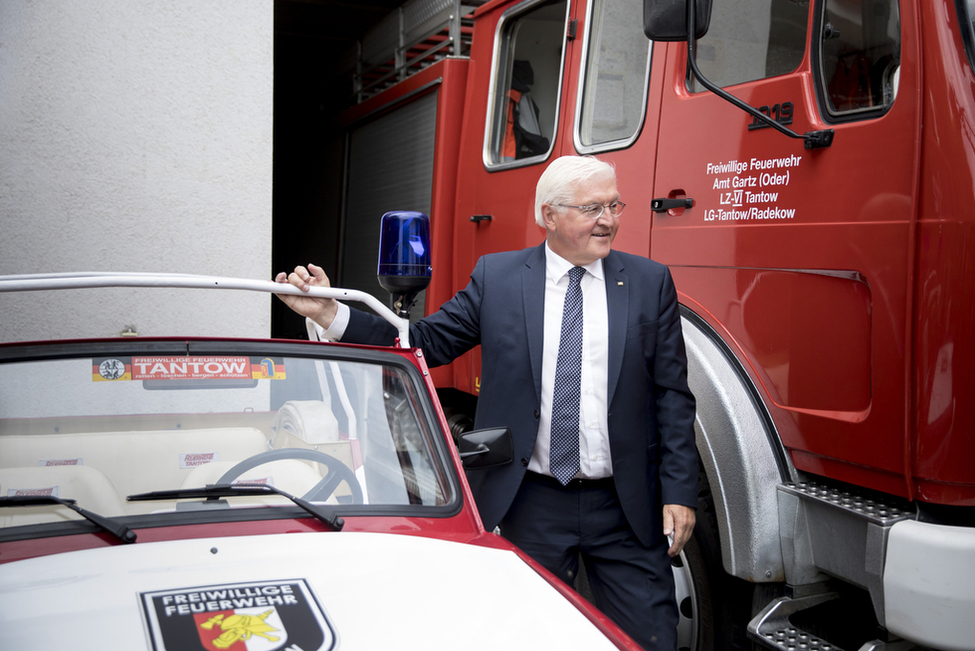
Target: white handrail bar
column 96, row 279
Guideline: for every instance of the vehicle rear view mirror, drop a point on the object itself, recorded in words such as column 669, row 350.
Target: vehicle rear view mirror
column 486, row 448
column 666, row 20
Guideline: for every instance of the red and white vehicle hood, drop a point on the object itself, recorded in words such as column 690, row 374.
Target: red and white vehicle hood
column 302, row 591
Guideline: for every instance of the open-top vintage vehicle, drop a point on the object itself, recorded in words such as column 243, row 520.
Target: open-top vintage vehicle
column 202, row 493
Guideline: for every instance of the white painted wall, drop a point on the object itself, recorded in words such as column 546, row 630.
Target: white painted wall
column 135, row 135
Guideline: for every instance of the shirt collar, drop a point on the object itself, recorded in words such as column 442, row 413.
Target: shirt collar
column 556, row 266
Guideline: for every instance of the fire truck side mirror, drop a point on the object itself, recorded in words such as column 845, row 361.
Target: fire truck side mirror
column 666, row 20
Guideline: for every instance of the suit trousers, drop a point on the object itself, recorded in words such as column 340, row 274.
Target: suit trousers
column 631, row 583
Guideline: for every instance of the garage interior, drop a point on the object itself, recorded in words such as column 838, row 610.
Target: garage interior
column 323, row 51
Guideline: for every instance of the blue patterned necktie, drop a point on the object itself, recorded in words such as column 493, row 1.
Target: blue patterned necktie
column 564, row 450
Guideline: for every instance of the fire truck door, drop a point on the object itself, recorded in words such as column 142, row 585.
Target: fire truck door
column 800, row 258
column 612, row 108
column 585, row 67
column 518, row 59
column 519, row 50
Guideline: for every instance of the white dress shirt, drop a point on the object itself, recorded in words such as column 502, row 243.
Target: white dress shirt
column 335, row 331
column 594, row 457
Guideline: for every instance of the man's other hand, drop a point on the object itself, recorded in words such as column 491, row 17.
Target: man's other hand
column 679, row 522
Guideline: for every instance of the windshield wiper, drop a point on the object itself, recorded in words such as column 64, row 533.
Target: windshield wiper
column 216, row 491
column 110, row 525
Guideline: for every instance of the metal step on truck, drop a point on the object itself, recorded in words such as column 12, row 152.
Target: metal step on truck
column 806, row 168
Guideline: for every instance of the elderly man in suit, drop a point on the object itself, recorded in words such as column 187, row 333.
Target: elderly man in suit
column 583, row 358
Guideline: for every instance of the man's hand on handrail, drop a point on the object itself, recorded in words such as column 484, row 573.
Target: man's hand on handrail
column 320, row 310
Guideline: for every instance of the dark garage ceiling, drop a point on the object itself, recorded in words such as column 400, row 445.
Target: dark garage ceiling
column 328, row 27
column 311, row 39
column 340, row 23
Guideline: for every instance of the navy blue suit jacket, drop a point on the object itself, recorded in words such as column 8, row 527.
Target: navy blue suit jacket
column 651, row 408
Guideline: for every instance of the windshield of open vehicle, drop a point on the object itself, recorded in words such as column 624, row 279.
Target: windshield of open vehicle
column 97, row 424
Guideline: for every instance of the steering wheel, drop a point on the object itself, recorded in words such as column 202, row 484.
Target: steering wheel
column 337, row 472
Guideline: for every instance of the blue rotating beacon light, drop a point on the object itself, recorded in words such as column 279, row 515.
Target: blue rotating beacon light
column 404, row 257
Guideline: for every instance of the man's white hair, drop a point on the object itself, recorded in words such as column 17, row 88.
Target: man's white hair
column 558, row 182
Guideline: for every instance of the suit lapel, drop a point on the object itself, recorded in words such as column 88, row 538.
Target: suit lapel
column 533, row 301
column 617, row 306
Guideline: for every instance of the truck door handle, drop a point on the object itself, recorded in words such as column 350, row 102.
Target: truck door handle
column 663, row 205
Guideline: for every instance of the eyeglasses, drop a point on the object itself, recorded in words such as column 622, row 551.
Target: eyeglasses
column 595, row 210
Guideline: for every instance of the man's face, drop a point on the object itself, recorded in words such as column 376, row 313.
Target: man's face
column 572, row 234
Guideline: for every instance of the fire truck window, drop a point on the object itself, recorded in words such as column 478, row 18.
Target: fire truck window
column 616, row 75
column 528, row 73
column 860, row 56
column 752, row 39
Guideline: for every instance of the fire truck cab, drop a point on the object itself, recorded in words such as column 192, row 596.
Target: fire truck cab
column 822, row 255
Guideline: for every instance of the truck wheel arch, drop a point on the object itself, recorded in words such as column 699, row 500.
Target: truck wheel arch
column 741, row 453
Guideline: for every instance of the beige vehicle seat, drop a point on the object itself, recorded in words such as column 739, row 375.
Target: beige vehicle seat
column 135, row 461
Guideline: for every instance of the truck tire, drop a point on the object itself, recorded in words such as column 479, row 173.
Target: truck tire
column 714, row 607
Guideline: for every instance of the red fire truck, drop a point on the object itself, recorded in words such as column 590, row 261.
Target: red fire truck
column 822, row 246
